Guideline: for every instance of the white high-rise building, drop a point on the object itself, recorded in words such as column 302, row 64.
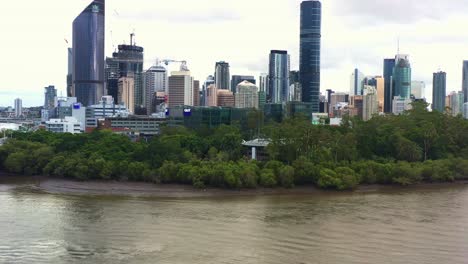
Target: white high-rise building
column 155, row 80
column 418, row 89
column 455, row 102
column 127, row 92
column 18, row 107
column 246, row 95
column 370, row 105
column 401, row 104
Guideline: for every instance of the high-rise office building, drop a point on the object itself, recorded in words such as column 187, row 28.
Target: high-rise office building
column 211, row 95
column 236, row 79
column 225, row 98
column 154, row 81
column 128, row 60
column 196, row 93
column 222, row 75
column 126, row 92
column 465, row 110
column 246, row 95
column 18, row 107
column 465, row 80
column 389, row 64
column 378, row 82
column 264, row 85
column 70, row 90
column 310, row 38
column 401, row 78
column 88, row 53
column 357, row 83
column 439, row 91
column 209, row 81
column 279, row 76
column 295, row 87
column 180, row 90
column 418, row 89
column 456, row 101
column 49, row 96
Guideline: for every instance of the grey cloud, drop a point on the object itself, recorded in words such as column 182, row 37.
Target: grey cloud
column 398, row 11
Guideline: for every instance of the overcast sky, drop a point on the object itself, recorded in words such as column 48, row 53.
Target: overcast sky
column 355, row 33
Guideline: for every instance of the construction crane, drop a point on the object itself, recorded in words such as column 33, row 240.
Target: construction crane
column 183, row 64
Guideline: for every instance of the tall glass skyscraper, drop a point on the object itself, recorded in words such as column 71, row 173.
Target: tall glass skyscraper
column 389, row 64
column 88, row 53
column 311, row 24
column 439, row 91
column 279, row 76
column 465, row 80
column 222, row 75
column 401, row 78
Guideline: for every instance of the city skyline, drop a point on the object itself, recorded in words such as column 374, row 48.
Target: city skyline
column 359, row 39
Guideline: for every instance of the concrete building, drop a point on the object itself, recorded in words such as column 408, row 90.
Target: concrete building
column 236, row 79
column 49, row 95
column 465, row 80
column 356, row 105
column 154, row 80
column 209, row 81
column 279, row 76
column 465, row 110
column 401, row 105
column 418, row 89
column 455, row 103
column 212, row 95
column 222, row 76
column 18, row 107
column 66, row 125
column 379, row 83
column 246, row 95
column 335, row 99
column 135, row 126
column 127, row 93
column 196, row 93
column 356, row 83
column 439, row 91
column 180, row 90
column 370, row 103
column 225, row 98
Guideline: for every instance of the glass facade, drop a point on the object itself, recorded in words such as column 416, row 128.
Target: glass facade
column 465, row 80
column 88, row 53
column 439, row 91
column 311, row 24
column 279, row 76
column 389, row 64
column 222, row 76
column 402, row 78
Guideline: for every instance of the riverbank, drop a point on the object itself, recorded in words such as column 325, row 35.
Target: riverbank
column 141, row 189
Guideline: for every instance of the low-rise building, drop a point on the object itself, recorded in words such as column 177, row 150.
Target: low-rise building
column 401, row 105
column 66, row 125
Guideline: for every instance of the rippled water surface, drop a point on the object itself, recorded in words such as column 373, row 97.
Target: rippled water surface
column 417, row 226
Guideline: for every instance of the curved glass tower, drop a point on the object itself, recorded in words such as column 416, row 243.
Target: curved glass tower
column 311, row 24
column 279, row 76
column 88, row 53
column 402, row 77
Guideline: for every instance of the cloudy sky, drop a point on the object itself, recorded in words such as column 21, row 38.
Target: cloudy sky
column 355, row 33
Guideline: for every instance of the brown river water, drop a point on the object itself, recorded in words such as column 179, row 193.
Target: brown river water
column 419, row 225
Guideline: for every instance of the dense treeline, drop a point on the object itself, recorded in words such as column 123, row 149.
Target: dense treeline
column 408, row 149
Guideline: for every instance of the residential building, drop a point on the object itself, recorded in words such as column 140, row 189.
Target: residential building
column 310, row 41
column 154, row 80
column 400, row 105
column 49, row 96
column 370, row 103
column 456, row 103
column 196, row 93
column 279, row 76
column 127, row 92
column 211, row 95
column 379, row 83
column 246, row 95
column 439, row 91
column 66, row 125
column 236, row 79
column 389, row 65
column 18, row 107
column 356, row 105
column 180, row 88
column 88, row 53
column 222, row 75
column 225, row 98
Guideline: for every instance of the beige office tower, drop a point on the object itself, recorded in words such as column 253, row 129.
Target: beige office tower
column 212, row 95
column 246, row 95
column 380, row 90
column 418, row 89
column 370, row 104
column 180, row 91
column 225, row 98
column 196, row 93
column 127, row 92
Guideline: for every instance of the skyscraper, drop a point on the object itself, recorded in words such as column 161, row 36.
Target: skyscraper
column 154, row 81
column 196, row 93
column 279, row 76
column 88, row 53
column 310, row 38
column 465, row 80
column 49, row 96
column 222, row 75
column 357, row 83
column 126, row 92
column 209, row 81
column 236, row 79
column 246, row 95
column 418, row 89
column 180, row 91
column 401, row 79
column 70, row 90
column 18, row 107
column 389, row 64
column 439, row 91
column 456, row 103
column 295, row 87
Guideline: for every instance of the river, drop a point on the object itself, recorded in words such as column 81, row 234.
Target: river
column 399, row 226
